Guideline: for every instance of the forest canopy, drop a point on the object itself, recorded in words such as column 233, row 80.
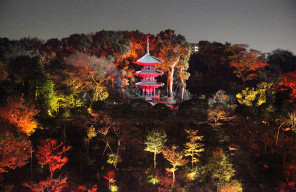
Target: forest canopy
column 72, row 118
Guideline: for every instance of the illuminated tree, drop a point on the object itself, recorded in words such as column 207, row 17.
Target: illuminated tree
column 47, row 97
column 264, row 93
column 15, row 148
column 247, row 66
column 289, row 172
column 220, row 169
column 192, row 147
column 154, row 142
column 232, row 186
column 92, row 73
column 113, row 159
column 91, row 133
column 21, row 114
column 82, row 188
column 51, row 153
column 218, row 114
column 291, row 121
column 49, row 185
column 288, row 82
column 174, row 51
column 175, row 157
column 104, row 132
column 183, row 66
column 110, row 177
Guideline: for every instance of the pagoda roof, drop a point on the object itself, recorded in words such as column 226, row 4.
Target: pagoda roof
column 149, row 84
column 148, row 59
column 148, row 72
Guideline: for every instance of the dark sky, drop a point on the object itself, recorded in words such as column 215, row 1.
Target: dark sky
column 263, row 24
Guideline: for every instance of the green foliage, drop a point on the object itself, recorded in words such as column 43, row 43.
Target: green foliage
column 155, row 140
column 49, row 98
column 113, row 159
column 219, row 168
column 264, row 93
column 66, row 103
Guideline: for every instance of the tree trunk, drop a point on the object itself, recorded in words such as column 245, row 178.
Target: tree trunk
column 277, row 135
column 192, row 160
column 173, row 177
column 87, row 147
column 171, row 78
column 31, row 159
column 182, row 83
column 154, row 160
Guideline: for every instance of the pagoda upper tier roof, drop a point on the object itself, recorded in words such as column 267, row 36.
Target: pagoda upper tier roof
column 148, row 60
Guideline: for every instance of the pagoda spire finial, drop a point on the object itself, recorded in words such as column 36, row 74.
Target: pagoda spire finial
column 147, row 36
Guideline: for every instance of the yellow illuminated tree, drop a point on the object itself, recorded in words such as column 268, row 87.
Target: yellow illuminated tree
column 175, row 157
column 193, row 148
column 256, row 97
column 155, row 140
column 91, row 133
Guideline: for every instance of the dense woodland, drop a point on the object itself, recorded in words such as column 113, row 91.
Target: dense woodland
column 72, row 119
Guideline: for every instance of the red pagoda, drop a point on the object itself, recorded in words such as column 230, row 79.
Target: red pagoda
column 148, row 74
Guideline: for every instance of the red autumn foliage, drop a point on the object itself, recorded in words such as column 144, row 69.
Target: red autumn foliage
column 110, row 177
column 51, row 153
column 49, row 185
column 289, row 173
column 83, row 188
column 165, row 183
column 15, row 149
column 21, row 114
column 288, row 82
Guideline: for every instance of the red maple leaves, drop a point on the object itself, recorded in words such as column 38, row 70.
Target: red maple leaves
column 110, row 177
column 288, row 82
column 51, row 153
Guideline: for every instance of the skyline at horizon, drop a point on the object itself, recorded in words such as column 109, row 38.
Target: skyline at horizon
column 250, row 22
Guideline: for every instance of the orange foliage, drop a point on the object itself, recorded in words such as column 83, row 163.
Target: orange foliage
column 51, row 153
column 247, row 66
column 288, row 82
column 20, row 114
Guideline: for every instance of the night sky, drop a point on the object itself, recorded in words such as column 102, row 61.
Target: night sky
column 263, row 24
